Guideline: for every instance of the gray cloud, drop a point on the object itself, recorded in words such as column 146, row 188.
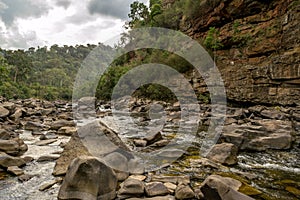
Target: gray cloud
column 63, row 3
column 116, row 8
column 12, row 9
column 13, row 39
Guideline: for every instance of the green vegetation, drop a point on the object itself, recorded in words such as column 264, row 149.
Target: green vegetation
column 212, row 41
column 42, row 72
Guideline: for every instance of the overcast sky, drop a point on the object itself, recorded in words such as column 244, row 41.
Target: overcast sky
column 27, row 23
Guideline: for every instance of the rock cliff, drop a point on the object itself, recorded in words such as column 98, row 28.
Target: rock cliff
column 260, row 55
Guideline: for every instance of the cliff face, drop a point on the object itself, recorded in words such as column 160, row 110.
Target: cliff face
column 260, row 57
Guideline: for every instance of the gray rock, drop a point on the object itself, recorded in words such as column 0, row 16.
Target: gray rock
column 156, row 189
column 224, row 153
column 184, row 192
column 88, row 178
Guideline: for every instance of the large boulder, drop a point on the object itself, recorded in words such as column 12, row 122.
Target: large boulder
column 92, row 139
column 216, row 187
column 88, row 178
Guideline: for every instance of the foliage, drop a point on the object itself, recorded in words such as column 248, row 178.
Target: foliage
column 46, row 73
column 212, row 41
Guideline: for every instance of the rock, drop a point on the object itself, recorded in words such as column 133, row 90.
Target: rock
column 61, row 123
column 184, row 192
column 101, row 142
column 3, row 112
column 140, row 143
column 273, row 141
column 217, row 187
column 260, row 135
column 172, row 187
column 168, row 197
column 138, row 177
column 48, row 136
column 25, row 177
column 35, row 126
column 4, row 134
column 45, row 142
column 48, row 158
column 224, row 153
column 131, row 188
column 49, row 184
column 88, row 178
column 171, row 179
column 9, row 105
column 17, row 114
column 68, row 131
column 152, row 138
column 13, row 147
column 15, row 170
column 8, row 161
column 73, row 149
column 156, row 189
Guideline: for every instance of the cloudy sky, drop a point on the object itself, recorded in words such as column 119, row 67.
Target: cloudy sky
column 27, row 23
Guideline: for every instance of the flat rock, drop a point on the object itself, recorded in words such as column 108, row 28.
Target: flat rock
column 15, row 170
column 45, row 142
column 48, row 158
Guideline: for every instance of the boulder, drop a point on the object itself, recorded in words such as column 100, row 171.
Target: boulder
column 216, row 187
column 8, row 161
column 4, row 134
column 184, row 192
column 156, row 189
column 88, row 178
column 100, row 140
column 224, row 153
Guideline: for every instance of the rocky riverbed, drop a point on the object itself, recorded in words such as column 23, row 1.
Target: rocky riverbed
column 257, row 155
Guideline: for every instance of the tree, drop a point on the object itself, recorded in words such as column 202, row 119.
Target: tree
column 139, row 15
